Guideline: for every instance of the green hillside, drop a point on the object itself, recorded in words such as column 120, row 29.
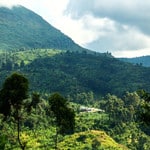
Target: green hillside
column 72, row 72
column 90, row 140
column 143, row 60
column 23, row 29
column 45, row 55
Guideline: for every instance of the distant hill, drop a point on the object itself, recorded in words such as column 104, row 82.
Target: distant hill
column 21, row 28
column 143, row 60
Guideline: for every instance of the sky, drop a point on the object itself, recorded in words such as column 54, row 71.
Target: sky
column 120, row 27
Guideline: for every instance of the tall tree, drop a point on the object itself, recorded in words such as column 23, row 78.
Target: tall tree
column 12, row 97
column 145, row 106
column 65, row 116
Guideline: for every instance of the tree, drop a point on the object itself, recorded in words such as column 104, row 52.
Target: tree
column 114, row 106
column 34, row 101
column 145, row 107
column 65, row 116
column 132, row 101
column 12, row 97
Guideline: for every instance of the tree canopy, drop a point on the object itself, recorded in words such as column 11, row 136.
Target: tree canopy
column 65, row 116
column 13, row 92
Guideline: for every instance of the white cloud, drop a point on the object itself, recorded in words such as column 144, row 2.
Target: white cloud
column 9, row 3
column 47, row 8
column 125, row 29
column 106, row 34
column 86, row 29
column 131, row 53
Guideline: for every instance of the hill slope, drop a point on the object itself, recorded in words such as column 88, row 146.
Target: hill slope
column 93, row 140
column 85, row 72
column 73, row 72
column 22, row 28
column 144, row 60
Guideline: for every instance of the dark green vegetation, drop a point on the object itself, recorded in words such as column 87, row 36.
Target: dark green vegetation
column 72, row 72
column 13, row 95
column 143, row 60
column 64, row 116
column 58, row 105
column 23, row 29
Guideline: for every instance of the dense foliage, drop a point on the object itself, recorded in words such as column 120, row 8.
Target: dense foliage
column 12, row 94
column 75, row 72
column 15, row 107
column 120, row 118
column 64, row 115
column 23, row 29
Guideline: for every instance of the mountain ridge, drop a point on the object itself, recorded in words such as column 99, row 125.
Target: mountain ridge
column 142, row 60
column 22, row 28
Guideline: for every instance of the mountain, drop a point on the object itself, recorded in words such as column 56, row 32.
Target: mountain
column 53, row 62
column 143, row 60
column 23, row 29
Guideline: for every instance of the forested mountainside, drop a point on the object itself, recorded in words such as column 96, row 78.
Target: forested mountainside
column 72, row 72
column 143, row 60
column 25, row 43
column 23, row 29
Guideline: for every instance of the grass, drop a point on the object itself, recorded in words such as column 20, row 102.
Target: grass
column 28, row 55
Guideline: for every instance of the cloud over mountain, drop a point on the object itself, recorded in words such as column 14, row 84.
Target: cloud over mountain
column 8, row 3
column 118, row 25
